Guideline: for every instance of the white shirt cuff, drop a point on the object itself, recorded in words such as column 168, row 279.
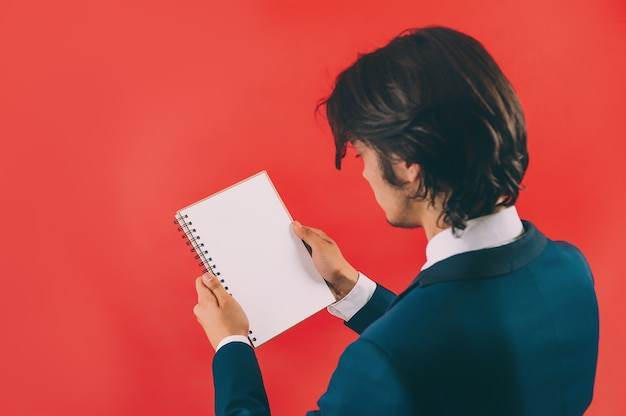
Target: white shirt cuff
column 232, row 338
column 360, row 294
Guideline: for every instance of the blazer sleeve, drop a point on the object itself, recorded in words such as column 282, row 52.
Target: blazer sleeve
column 238, row 383
column 354, row 389
column 365, row 383
column 373, row 309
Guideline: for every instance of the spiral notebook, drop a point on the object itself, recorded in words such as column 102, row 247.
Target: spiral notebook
column 243, row 234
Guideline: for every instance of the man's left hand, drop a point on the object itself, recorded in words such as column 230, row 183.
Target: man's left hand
column 219, row 314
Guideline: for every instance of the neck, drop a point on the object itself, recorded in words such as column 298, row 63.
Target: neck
column 429, row 217
column 432, row 224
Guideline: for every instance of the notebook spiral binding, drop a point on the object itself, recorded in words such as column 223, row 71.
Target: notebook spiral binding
column 206, row 263
column 193, row 240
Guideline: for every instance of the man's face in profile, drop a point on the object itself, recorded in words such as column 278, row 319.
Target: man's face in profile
column 399, row 208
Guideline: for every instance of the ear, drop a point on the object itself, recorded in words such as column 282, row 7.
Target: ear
column 411, row 172
column 408, row 173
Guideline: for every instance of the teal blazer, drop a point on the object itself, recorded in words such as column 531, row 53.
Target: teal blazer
column 511, row 330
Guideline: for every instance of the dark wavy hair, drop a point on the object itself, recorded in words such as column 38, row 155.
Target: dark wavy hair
column 435, row 97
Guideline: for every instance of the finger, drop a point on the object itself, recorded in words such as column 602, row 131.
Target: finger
column 203, row 291
column 197, row 310
column 312, row 236
column 321, row 233
column 215, row 286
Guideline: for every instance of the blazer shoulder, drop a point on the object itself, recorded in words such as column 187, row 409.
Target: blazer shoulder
column 572, row 255
column 399, row 330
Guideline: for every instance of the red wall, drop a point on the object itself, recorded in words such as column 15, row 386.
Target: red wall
column 114, row 114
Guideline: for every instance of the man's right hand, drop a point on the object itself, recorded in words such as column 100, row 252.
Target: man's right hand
column 328, row 260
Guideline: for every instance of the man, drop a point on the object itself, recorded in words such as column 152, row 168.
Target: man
column 500, row 320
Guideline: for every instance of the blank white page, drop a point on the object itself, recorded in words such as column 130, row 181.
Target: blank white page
column 246, row 230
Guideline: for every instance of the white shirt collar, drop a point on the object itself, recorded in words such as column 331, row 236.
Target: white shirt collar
column 498, row 229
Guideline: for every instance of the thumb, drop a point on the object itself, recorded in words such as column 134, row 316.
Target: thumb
column 215, row 286
column 308, row 235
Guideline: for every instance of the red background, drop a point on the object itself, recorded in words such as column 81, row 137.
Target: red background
column 114, row 114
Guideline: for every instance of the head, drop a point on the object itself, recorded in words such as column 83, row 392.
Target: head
column 443, row 122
